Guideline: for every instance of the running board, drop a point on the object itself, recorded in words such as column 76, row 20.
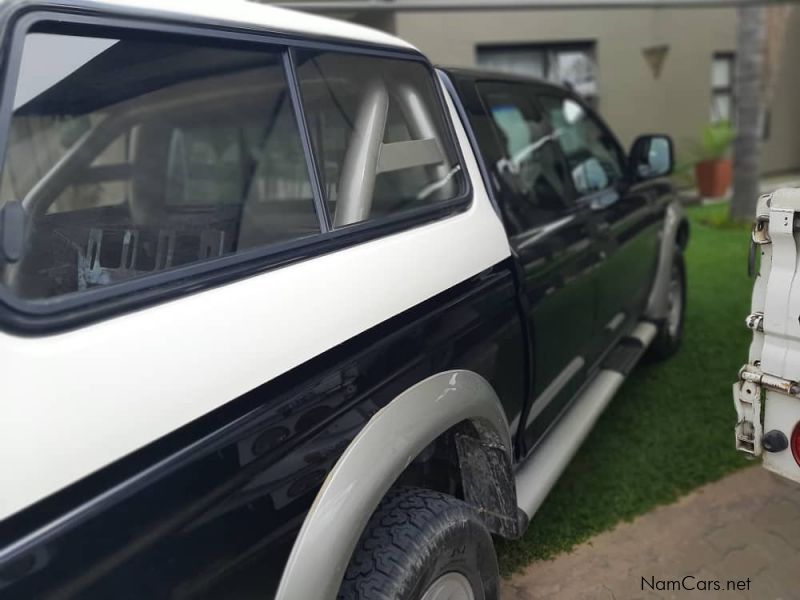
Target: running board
column 539, row 473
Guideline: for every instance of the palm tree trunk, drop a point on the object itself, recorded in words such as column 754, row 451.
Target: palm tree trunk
column 748, row 86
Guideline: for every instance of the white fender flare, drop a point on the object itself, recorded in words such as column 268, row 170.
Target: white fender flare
column 369, row 466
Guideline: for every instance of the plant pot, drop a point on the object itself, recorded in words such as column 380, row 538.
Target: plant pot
column 714, row 177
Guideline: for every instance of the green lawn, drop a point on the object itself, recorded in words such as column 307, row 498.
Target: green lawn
column 670, row 428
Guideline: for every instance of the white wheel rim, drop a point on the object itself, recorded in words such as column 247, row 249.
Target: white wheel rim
column 450, row 586
column 675, row 304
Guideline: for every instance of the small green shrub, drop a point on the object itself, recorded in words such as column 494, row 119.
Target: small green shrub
column 715, row 141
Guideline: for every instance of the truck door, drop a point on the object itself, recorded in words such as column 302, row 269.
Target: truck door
column 553, row 241
column 627, row 217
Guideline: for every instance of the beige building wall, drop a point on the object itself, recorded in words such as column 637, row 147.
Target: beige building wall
column 781, row 152
column 631, row 98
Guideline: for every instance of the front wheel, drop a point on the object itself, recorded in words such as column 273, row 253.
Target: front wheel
column 422, row 545
column 670, row 333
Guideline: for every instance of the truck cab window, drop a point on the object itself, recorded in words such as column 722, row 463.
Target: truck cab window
column 379, row 135
column 594, row 157
column 531, row 169
column 137, row 155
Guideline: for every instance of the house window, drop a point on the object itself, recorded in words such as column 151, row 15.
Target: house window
column 722, row 101
column 573, row 64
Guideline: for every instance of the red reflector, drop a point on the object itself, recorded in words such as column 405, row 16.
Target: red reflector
column 795, row 443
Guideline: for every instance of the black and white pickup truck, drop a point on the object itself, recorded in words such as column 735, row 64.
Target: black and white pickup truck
column 285, row 311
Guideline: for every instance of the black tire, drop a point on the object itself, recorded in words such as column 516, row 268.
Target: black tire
column 670, row 333
column 415, row 538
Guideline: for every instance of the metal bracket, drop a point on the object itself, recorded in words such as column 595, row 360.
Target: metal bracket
column 747, row 394
column 753, row 374
column 760, row 233
column 759, row 236
column 747, row 401
column 755, row 321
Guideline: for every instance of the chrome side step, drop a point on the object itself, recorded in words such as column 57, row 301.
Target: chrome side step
column 539, row 473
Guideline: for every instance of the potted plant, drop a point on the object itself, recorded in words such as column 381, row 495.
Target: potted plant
column 714, row 170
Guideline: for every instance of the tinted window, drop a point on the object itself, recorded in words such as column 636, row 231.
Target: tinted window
column 593, row 156
column 534, row 176
column 379, row 135
column 136, row 156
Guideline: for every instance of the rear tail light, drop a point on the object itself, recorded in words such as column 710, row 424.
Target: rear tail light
column 794, row 443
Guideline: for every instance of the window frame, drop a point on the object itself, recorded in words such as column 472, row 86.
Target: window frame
column 724, row 90
column 40, row 316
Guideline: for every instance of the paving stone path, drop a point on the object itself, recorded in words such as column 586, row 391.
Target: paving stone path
column 745, row 526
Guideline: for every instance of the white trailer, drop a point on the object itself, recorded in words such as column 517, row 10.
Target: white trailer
column 767, row 394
